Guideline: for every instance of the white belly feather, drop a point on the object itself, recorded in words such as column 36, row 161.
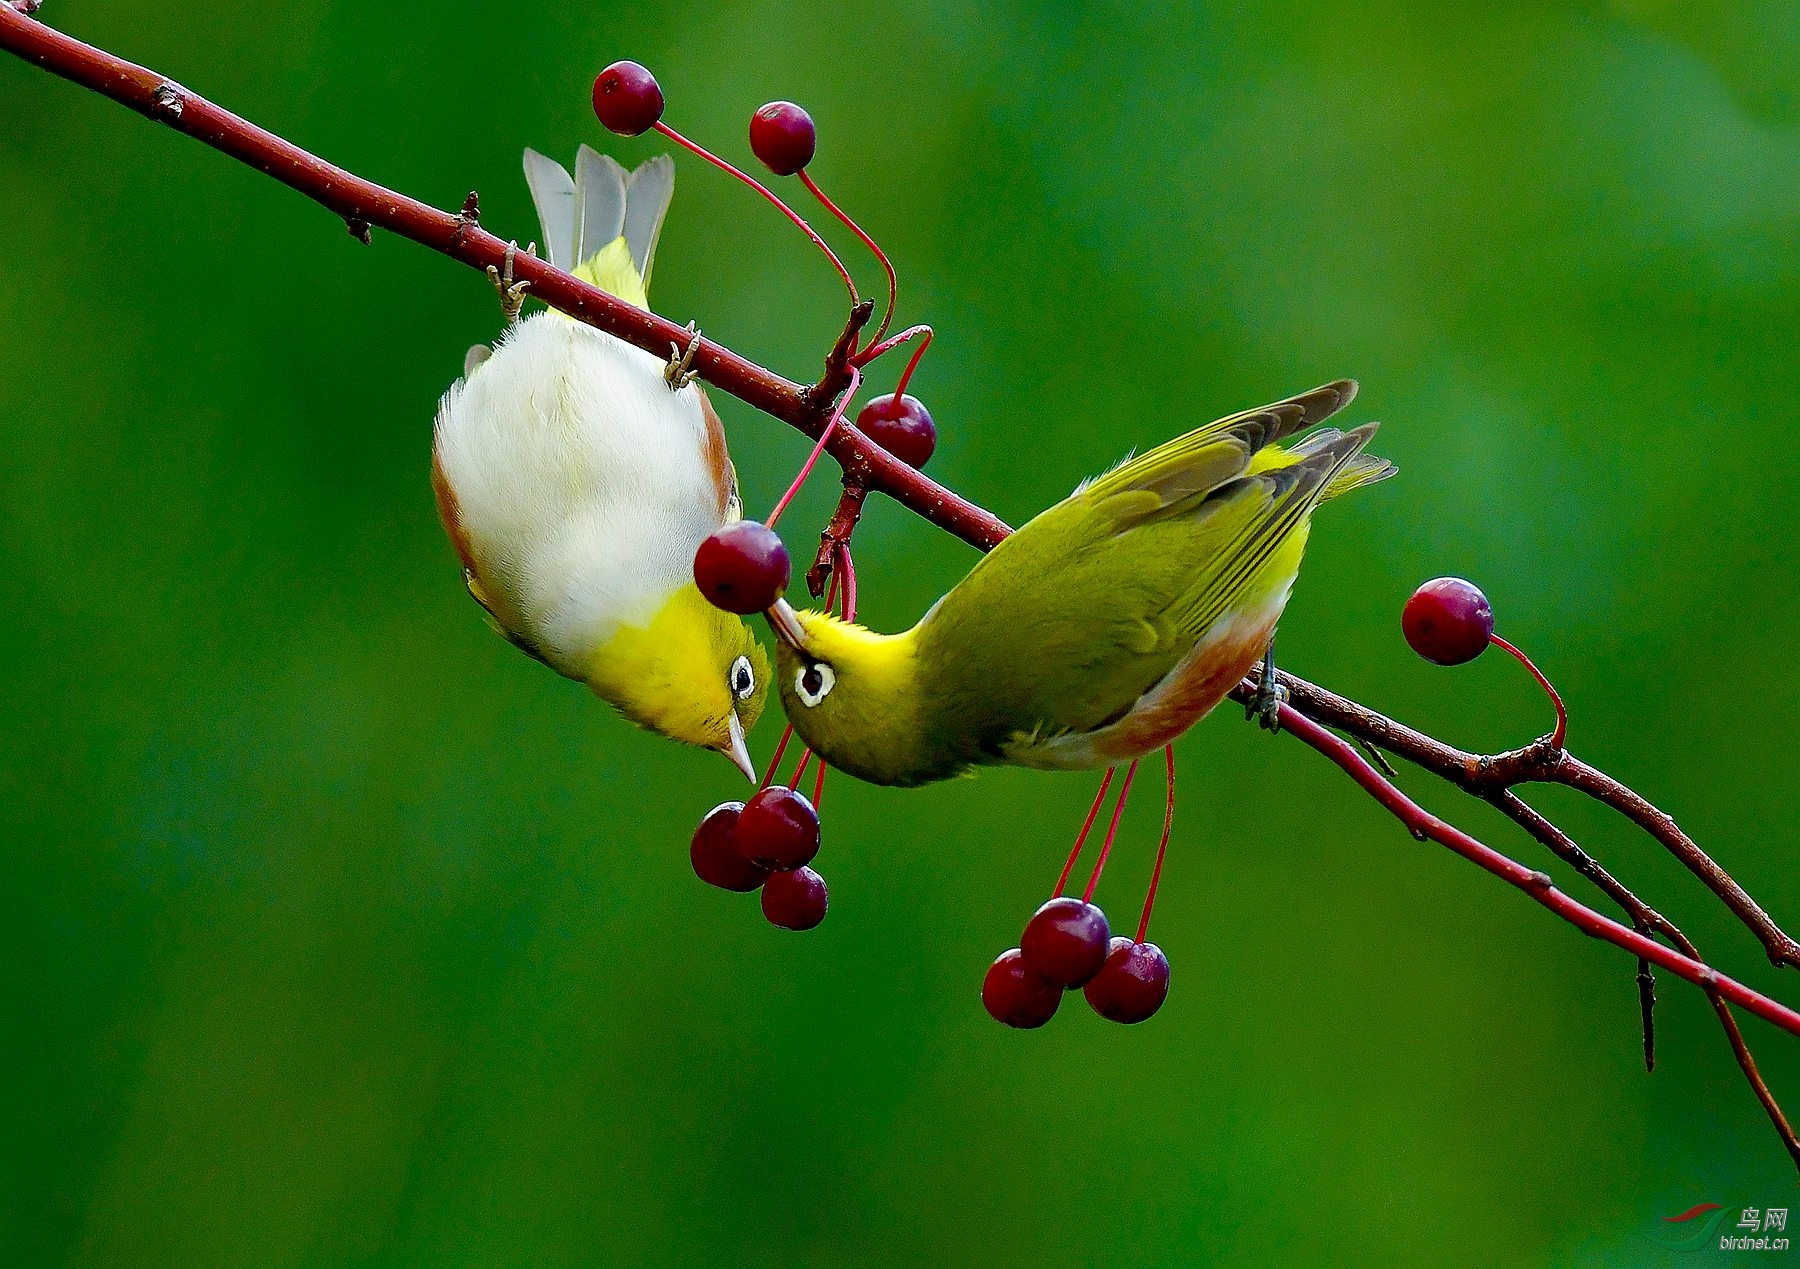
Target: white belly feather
column 581, row 480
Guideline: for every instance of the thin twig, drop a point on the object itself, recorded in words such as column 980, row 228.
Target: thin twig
column 1644, row 919
column 1564, row 846
column 1538, row 885
column 1537, row 763
column 837, row 534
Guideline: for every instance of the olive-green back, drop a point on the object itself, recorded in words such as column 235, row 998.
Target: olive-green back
column 1070, row 620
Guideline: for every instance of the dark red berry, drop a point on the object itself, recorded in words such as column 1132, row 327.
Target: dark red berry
column 795, row 900
column 1132, row 984
column 716, row 858
column 627, row 99
column 1018, row 995
column 782, row 136
column 778, row 829
column 1448, row 620
column 902, row 427
column 743, row 567
column 1065, row 941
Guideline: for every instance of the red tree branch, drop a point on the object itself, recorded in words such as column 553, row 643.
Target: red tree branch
column 1311, row 711
column 1649, row 921
column 363, row 204
column 1485, row 775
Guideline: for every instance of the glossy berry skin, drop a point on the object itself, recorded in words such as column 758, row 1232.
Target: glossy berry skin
column 778, row 829
column 783, row 137
column 1018, row 995
column 795, row 900
column 627, row 99
column 1066, row 941
column 743, row 567
column 902, row 427
column 1132, row 984
column 1448, row 621
column 715, row 855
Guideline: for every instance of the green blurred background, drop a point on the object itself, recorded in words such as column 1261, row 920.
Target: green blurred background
column 338, row 933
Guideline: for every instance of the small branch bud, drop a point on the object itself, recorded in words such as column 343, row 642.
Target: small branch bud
column 166, row 100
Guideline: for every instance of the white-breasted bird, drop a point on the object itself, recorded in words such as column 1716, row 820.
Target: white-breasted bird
column 576, row 475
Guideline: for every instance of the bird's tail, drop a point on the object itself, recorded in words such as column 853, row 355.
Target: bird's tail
column 1359, row 470
column 602, row 224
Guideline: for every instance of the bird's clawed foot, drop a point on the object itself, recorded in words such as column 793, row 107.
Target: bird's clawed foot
column 1266, row 702
column 677, row 373
column 512, row 294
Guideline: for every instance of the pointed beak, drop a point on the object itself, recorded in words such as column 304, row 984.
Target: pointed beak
column 786, row 625
column 738, row 751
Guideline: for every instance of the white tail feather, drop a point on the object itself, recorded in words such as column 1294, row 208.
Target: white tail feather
column 553, row 193
column 599, row 201
column 647, row 196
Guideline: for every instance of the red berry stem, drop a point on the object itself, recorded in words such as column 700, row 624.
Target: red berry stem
column 1112, row 831
column 1162, row 847
column 787, row 734
column 922, row 333
column 805, row 759
column 893, row 279
column 1082, row 836
column 846, row 568
column 769, row 194
column 832, row 590
column 819, row 785
column 1562, row 715
column 906, row 375
column 837, row 416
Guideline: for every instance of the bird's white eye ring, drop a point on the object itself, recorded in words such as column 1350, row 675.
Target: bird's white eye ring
column 814, row 682
column 742, row 678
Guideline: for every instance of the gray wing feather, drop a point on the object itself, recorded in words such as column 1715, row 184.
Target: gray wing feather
column 647, row 196
column 599, row 201
column 553, row 192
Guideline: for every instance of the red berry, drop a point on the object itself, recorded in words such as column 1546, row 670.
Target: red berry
column 715, row 855
column 1065, row 941
column 627, row 98
column 782, row 136
column 742, row 567
column 902, row 427
column 1448, row 620
column 1132, row 984
column 778, row 829
column 1018, row 995
column 795, row 900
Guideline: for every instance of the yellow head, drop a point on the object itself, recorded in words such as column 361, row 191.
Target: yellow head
column 693, row 673
column 852, row 694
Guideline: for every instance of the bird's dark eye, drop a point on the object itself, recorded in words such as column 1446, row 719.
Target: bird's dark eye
column 814, row 683
column 743, row 678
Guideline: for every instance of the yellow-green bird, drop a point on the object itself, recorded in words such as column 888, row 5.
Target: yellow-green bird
column 1100, row 631
column 576, row 475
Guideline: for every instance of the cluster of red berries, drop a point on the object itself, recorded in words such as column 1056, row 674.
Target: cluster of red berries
column 765, row 843
column 769, row 841
column 743, row 568
column 1067, row 944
